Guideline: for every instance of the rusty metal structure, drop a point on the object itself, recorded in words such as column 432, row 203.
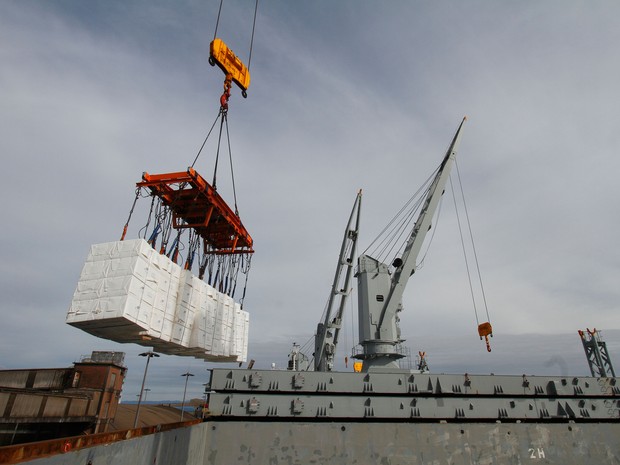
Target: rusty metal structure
column 195, row 204
column 48, row 403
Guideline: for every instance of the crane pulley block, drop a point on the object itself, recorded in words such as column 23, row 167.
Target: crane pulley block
column 230, row 64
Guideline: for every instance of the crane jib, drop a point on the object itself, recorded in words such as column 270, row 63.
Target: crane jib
column 379, row 329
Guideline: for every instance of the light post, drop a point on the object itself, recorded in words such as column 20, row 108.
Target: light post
column 204, row 404
column 206, row 385
column 146, row 392
column 148, row 356
column 187, row 375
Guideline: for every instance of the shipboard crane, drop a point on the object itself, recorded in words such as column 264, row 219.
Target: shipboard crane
column 327, row 332
column 380, row 292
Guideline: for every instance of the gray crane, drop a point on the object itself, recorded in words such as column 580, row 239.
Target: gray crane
column 380, row 291
column 327, row 331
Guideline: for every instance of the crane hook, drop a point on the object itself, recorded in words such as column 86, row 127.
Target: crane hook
column 226, row 95
column 486, row 340
column 485, row 330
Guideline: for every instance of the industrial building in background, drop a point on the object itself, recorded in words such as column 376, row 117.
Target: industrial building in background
column 47, row 403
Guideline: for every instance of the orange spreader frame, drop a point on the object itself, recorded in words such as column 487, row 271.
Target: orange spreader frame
column 196, row 204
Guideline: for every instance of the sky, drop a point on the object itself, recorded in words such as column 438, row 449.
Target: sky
column 344, row 96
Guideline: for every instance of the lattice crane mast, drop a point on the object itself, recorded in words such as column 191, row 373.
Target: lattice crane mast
column 598, row 357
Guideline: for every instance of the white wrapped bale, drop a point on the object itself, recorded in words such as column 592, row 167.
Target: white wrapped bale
column 188, row 304
column 128, row 292
column 115, row 295
column 161, row 324
column 241, row 333
column 222, row 337
column 201, row 337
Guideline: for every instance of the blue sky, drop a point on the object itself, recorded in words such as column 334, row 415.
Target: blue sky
column 344, row 96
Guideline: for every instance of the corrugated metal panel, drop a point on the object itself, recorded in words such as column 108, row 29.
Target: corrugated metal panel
column 15, row 379
column 55, row 406
column 46, row 378
column 4, row 399
column 26, row 405
column 50, row 379
column 78, row 408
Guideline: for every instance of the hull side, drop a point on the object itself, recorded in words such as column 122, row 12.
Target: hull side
column 254, row 442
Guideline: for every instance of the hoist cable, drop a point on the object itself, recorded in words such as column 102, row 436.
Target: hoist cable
column 404, row 229
column 388, row 236
column 353, row 321
column 130, row 213
column 168, row 252
column 202, row 266
column 245, row 285
column 217, row 23
column 307, row 345
column 223, row 269
column 471, row 235
column 148, row 219
column 194, row 244
column 227, row 277
column 395, row 237
column 217, row 153
column 205, row 141
column 385, row 229
column 399, row 214
column 153, row 237
column 165, row 219
column 232, row 284
column 252, row 39
column 245, row 262
column 458, row 221
column 232, row 173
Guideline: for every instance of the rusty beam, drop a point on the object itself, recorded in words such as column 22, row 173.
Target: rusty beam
column 35, row 450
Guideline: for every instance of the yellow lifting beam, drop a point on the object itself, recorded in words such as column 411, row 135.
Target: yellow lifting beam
column 230, row 64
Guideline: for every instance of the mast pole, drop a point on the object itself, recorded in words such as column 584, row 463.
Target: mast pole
column 327, row 332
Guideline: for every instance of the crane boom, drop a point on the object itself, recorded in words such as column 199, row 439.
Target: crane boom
column 327, row 332
column 380, row 293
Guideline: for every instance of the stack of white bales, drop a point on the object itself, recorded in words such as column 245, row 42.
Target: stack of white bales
column 128, row 292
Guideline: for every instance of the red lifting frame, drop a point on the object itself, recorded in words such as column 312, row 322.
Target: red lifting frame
column 195, row 204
